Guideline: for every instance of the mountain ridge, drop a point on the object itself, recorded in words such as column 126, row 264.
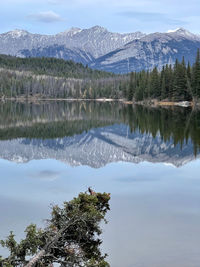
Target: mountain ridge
column 104, row 50
column 95, row 40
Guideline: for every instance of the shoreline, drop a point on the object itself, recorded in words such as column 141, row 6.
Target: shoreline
column 152, row 103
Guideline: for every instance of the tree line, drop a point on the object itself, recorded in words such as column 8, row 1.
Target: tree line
column 52, row 67
column 180, row 82
column 14, row 83
column 57, row 78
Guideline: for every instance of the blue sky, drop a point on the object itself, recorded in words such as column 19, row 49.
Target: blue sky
column 53, row 16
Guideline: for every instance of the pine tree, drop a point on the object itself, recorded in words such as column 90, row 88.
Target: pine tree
column 163, row 88
column 155, row 90
column 131, row 89
column 170, row 82
column 163, row 83
column 189, row 80
column 196, row 76
column 180, row 91
column 71, row 237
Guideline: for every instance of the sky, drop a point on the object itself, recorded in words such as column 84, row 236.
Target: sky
column 53, row 16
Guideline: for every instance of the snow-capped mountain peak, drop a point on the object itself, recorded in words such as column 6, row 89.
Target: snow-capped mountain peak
column 105, row 50
column 18, row 33
column 99, row 28
column 94, row 42
column 176, row 30
column 184, row 33
column 71, row 31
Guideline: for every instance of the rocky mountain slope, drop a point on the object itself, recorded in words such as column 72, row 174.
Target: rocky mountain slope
column 104, row 50
column 152, row 50
column 90, row 43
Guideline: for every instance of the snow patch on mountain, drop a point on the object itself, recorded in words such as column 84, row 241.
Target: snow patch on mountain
column 95, row 41
column 104, row 50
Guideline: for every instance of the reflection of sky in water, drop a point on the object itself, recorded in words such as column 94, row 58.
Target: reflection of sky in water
column 155, row 215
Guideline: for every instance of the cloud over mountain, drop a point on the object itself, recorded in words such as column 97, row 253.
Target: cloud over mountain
column 46, row 16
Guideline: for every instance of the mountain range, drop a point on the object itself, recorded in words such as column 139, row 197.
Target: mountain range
column 104, row 50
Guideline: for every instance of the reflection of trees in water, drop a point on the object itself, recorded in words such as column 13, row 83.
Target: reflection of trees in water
column 15, row 112
column 177, row 124
column 54, row 119
column 59, row 119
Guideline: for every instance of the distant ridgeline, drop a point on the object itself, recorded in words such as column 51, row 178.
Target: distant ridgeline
column 57, row 78
column 50, row 120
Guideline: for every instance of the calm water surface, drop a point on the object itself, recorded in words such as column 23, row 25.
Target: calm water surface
column 147, row 158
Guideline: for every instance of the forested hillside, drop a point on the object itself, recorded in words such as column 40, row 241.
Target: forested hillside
column 51, row 66
column 56, row 78
column 180, row 82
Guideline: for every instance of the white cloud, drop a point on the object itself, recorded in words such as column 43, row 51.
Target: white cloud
column 46, row 16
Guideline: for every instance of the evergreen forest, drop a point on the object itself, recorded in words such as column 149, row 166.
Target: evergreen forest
column 180, row 82
column 56, row 78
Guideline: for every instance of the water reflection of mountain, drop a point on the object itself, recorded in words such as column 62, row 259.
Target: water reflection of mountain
column 96, row 134
column 99, row 147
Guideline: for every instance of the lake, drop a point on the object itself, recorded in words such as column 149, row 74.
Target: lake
column 147, row 158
